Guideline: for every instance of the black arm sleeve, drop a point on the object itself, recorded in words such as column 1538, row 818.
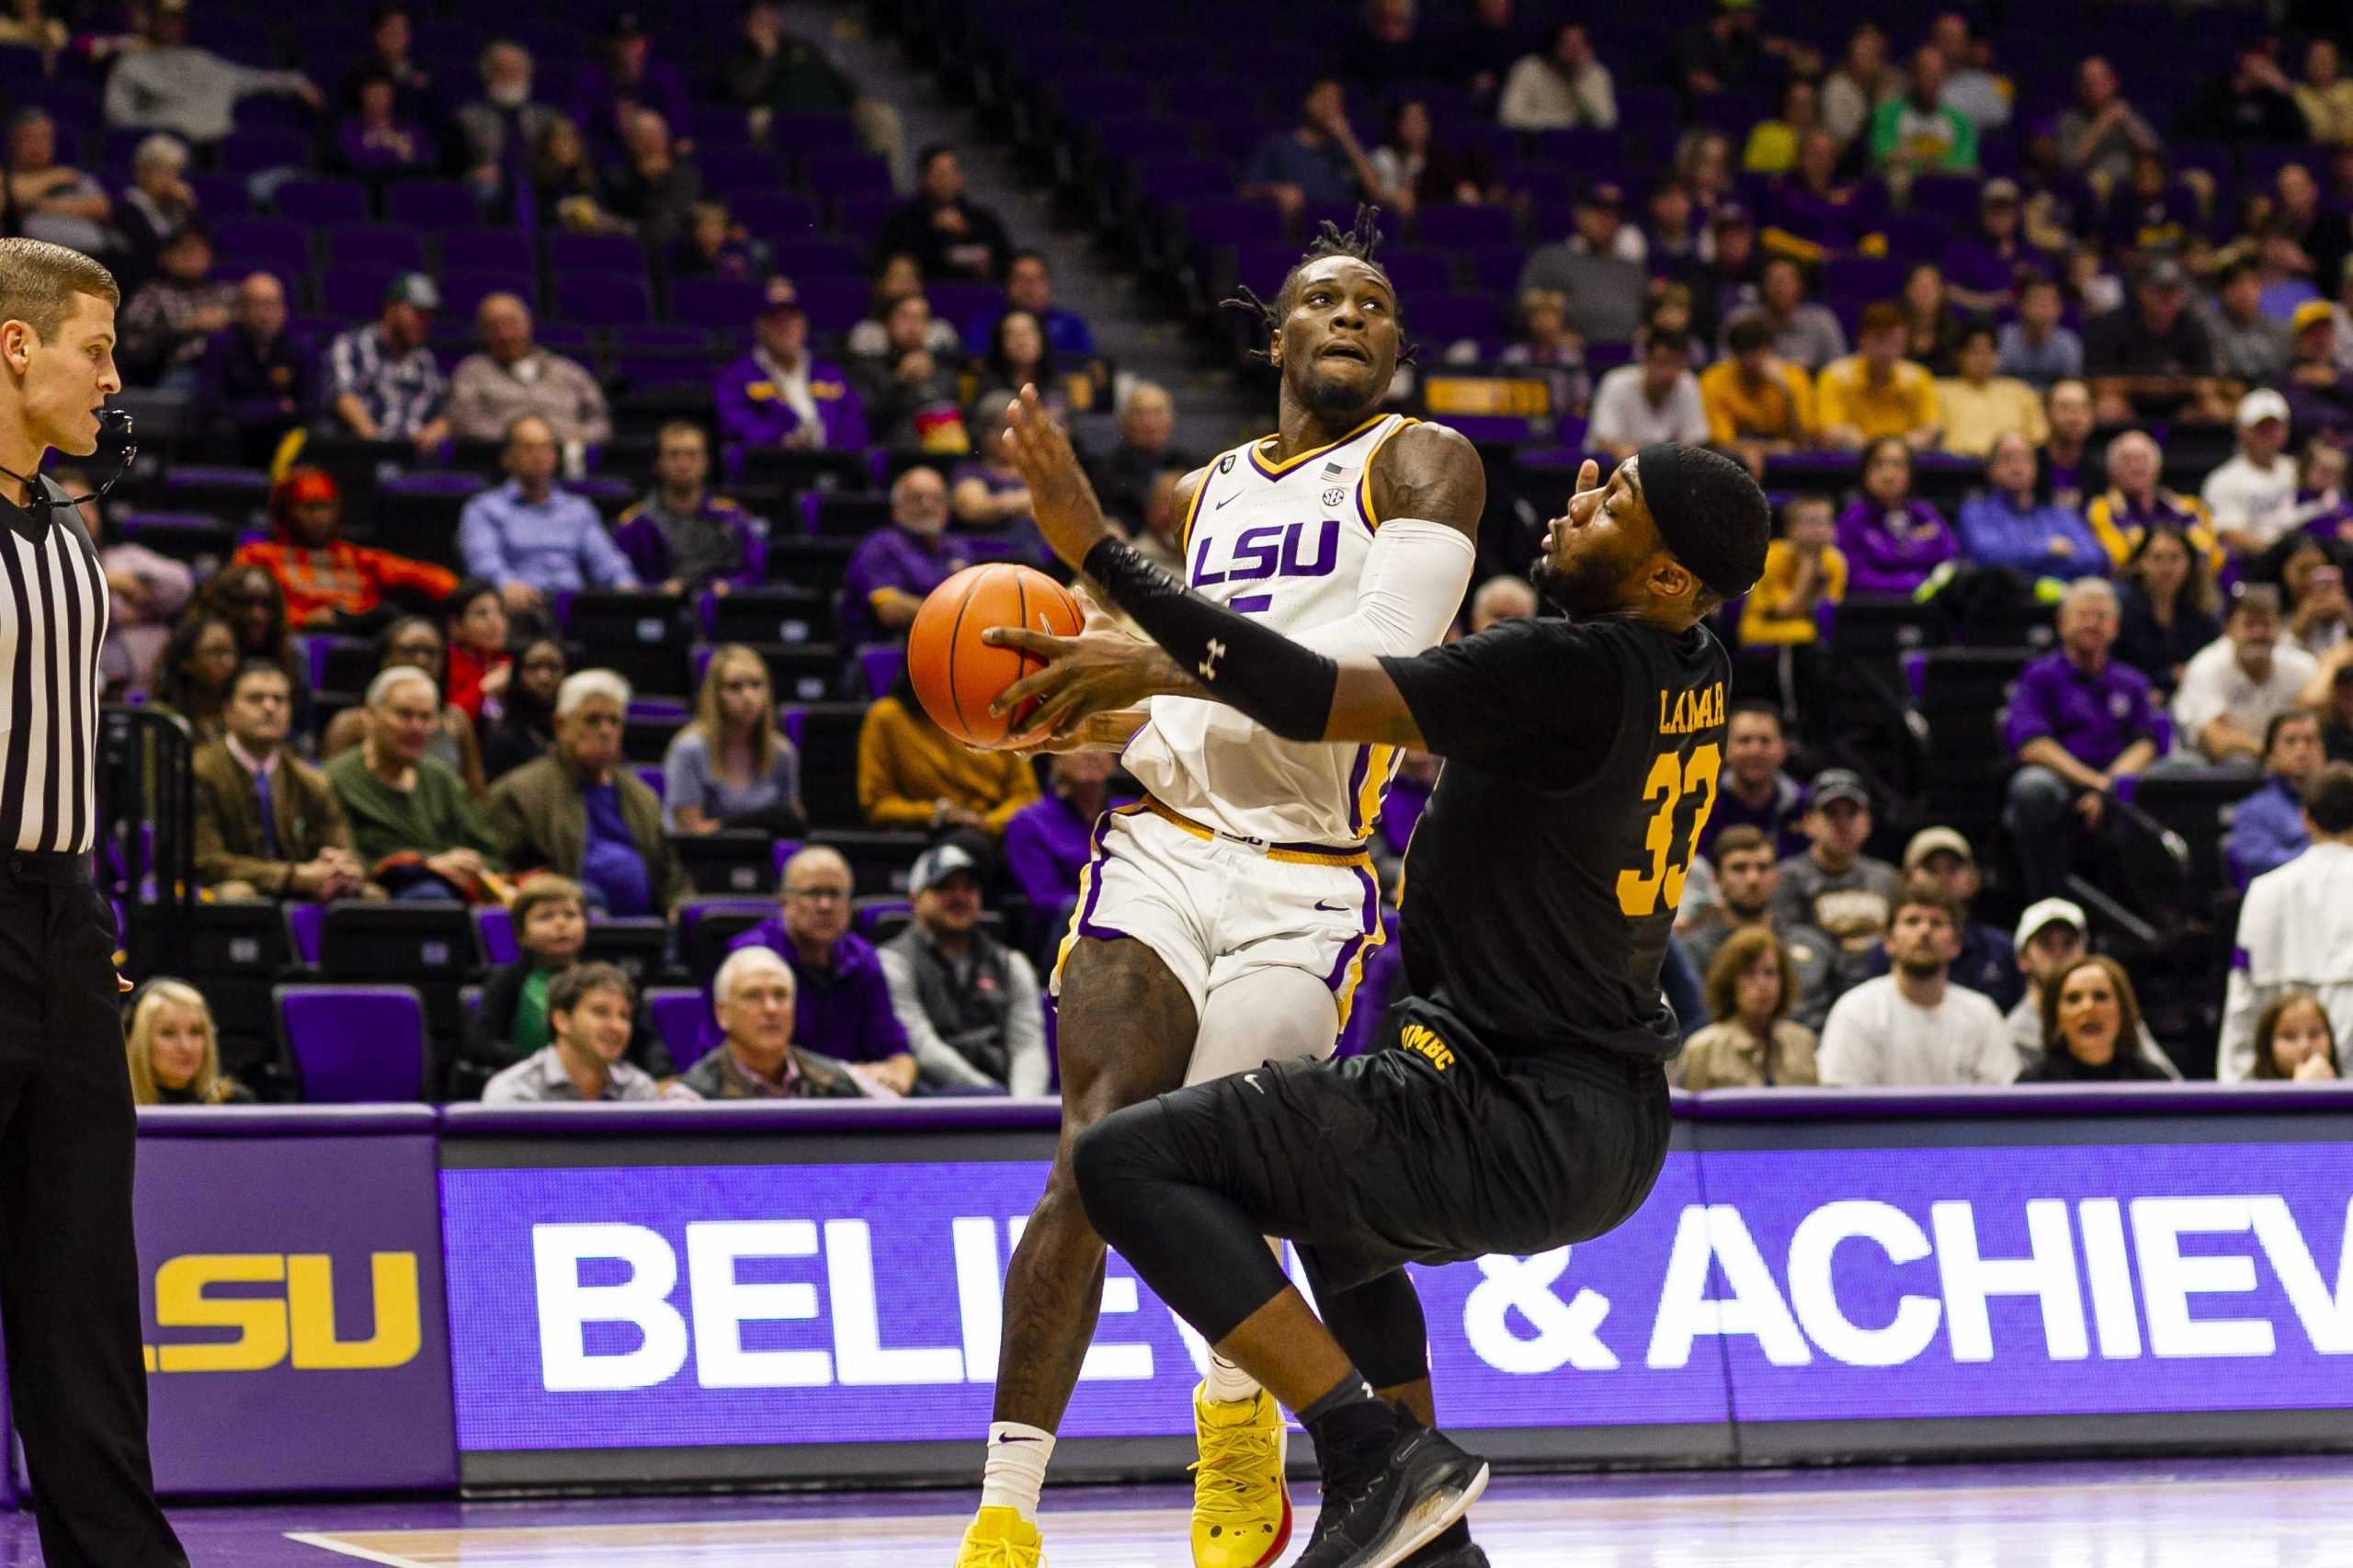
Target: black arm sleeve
column 1250, row 667
column 1537, row 700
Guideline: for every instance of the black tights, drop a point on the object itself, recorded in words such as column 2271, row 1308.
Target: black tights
column 1205, row 1255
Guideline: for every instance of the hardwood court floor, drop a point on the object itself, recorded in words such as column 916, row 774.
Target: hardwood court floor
column 2289, row 1513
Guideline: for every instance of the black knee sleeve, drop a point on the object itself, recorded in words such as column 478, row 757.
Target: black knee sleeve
column 1195, row 1248
column 1379, row 1324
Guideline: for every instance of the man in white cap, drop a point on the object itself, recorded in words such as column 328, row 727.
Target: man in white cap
column 2051, row 936
column 968, row 1002
column 2253, row 496
column 1986, row 962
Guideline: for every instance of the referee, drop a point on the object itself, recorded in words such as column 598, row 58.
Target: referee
column 69, row 1272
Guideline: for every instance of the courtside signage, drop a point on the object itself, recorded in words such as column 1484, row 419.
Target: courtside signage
column 689, row 1305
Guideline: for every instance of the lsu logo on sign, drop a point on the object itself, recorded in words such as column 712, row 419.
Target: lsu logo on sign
column 294, row 1324
column 1420, row 1040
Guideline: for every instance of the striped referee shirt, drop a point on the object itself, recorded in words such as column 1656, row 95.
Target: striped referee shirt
column 53, row 610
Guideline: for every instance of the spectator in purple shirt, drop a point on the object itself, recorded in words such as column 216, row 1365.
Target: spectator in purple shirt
column 1753, row 791
column 780, row 394
column 1810, row 213
column 1030, row 286
column 895, row 568
column 626, row 81
column 2006, row 525
column 255, row 378
column 841, row 1002
column 1048, row 841
column 1891, row 541
column 2078, row 720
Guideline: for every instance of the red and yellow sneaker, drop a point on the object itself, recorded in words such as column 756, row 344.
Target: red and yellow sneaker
column 1241, row 1505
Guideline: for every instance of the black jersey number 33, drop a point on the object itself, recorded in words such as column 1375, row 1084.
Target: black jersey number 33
column 1681, row 791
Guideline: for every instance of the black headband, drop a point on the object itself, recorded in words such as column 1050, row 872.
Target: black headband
column 1708, row 513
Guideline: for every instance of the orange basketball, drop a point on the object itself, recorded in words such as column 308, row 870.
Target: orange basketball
column 957, row 675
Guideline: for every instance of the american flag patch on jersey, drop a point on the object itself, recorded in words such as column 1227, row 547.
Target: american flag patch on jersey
column 1333, row 471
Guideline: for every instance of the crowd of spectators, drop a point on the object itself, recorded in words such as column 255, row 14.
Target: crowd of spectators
column 1976, row 340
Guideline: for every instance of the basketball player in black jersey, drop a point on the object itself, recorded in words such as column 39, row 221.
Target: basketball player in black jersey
column 1518, row 1103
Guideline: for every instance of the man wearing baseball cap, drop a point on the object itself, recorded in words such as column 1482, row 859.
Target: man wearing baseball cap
column 780, row 394
column 2152, row 356
column 968, row 1002
column 1987, row 963
column 2051, row 935
column 2320, row 392
column 330, row 584
column 1833, row 885
column 382, row 382
column 2252, row 498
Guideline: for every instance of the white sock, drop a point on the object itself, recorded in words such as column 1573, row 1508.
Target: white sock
column 1228, row 1383
column 1015, row 1469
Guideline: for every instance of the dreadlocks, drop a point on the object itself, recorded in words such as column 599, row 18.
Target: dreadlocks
column 1362, row 238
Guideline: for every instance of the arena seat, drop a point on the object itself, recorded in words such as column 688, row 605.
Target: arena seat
column 732, row 861
column 353, row 1044
column 678, row 1012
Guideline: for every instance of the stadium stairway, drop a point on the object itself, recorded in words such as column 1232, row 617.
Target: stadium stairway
column 1213, row 410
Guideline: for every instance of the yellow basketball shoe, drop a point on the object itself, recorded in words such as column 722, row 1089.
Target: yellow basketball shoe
column 1001, row 1538
column 1241, row 1507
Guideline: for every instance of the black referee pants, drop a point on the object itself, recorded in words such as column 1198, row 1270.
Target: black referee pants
column 69, row 1269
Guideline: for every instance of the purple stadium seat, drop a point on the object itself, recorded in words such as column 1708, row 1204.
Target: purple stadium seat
column 1130, row 133
column 274, row 244
column 1416, row 271
column 432, row 204
column 965, row 302
column 863, row 216
column 1454, row 226
column 799, row 134
column 221, row 196
column 304, row 921
column 715, row 127
column 871, row 913
column 719, row 304
column 835, row 304
column 845, row 174
column 800, row 258
column 773, row 215
column 463, row 289
column 231, row 493
column 599, row 301
column 611, row 254
column 251, row 152
column 727, row 171
column 1862, row 277
column 354, row 293
column 650, row 774
column 1442, row 318
column 326, row 653
column 1230, row 223
column 645, row 372
column 678, row 1012
column 321, row 202
column 495, row 934
column 881, row 667
column 1181, row 179
column 353, row 1044
column 375, row 245
column 483, row 247
column 1097, row 94
column 661, row 339
column 1263, row 266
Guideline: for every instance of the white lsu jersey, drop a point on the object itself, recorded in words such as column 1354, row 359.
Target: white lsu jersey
column 1286, row 543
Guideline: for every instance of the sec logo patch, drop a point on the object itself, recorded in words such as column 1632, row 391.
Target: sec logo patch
column 1334, row 495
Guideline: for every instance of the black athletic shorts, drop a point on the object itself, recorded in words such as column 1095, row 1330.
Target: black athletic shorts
column 1427, row 1149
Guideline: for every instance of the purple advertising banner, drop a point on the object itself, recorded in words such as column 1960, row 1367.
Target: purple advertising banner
column 745, row 1304
column 685, row 1305
column 292, row 1294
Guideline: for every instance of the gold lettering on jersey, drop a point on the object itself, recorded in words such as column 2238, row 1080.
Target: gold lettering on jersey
column 1694, row 709
column 1420, row 1040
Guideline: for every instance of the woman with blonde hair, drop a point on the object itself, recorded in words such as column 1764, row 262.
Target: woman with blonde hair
column 731, row 766
column 174, row 1050
column 1752, row 1044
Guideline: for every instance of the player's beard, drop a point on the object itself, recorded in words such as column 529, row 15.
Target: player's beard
column 1583, row 588
column 1332, row 398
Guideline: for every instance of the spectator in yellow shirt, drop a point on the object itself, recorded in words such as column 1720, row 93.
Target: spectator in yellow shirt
column 1803, row 570
column 1979, row 407
column 1877, row 392
column 913, row 773
column 2122, row 515
column 1758, row 405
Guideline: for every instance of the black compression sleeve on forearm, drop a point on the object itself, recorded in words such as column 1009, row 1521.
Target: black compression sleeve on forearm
column 1243, row 663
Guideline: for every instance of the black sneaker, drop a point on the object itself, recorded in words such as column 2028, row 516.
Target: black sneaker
column 1465, row 1554
column 1414, row 1490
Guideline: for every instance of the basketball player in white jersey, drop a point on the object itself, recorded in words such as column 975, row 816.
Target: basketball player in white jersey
column 1223, row 920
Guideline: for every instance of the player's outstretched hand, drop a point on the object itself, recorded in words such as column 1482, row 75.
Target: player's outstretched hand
column 1095, row 672
column 1061, row 499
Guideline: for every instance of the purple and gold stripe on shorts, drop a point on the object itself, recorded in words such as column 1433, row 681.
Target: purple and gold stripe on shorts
column 1349, row 968
column 1090, row 888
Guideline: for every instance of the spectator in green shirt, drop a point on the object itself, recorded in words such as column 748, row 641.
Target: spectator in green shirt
column 1916, row 133
column 412, row 822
